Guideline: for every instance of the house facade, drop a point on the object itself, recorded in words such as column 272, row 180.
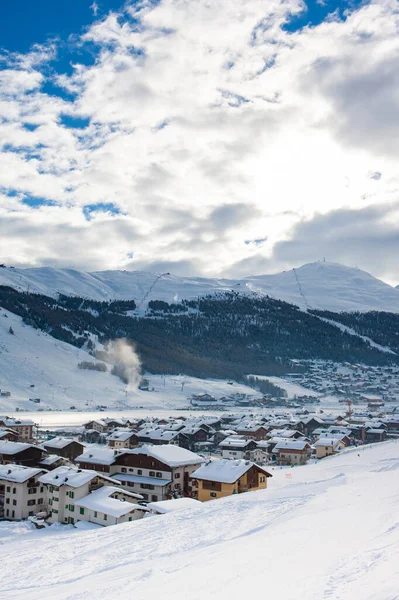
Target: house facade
column 64, row 447
column 218, row 478
column 21, row 493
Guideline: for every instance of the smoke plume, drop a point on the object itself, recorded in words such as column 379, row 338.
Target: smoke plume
column 126, row 362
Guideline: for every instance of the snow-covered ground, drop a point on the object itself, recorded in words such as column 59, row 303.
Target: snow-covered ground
column 324, row 531
column 316, row 285
column 31, row 357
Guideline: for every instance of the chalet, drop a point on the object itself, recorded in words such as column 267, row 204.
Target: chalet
column 123, row 438
column 159, row 436
column 99, row 459
column 376, row 435
column 291, row 452
column 8, row 435
column 194, row 434
column 223, row 477
column 64, row 447
column 23, row 427
column 65, row 485
column 256, row 432
column 307, row 426
column 236, row 446
column 326, row 446
column 157, row 472
column 20, row 453
column 52, row 461
column 21, row 494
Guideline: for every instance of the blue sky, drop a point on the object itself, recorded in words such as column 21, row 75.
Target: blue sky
column 199, row 137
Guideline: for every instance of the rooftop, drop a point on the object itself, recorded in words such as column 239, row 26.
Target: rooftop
column 71, row 476
column 102, row 500
column 171, row 455
column 224, row 470
column 18, row 473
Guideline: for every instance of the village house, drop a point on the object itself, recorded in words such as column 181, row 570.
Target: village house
column 98, row 459
column 157, row 472
column 123, row 438
column 21, row 493
column 223, row 477
column 291, row 452
column 23, row 427
column 236, row 446
column 159, row 436
column 65, row 485
column 20, row 453
column 109, row 505
column 8, row 435
column 52, row 461
column 64, row 447
column 376, row 435
column 326, row 446
column 256, row 432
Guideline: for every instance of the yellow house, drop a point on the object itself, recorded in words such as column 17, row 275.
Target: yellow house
column 223, row 477
column 326, row 447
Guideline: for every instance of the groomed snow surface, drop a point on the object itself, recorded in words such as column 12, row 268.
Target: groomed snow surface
column 321, row 285
column 323, row 531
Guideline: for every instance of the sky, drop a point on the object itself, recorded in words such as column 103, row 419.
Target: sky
column 199, row 137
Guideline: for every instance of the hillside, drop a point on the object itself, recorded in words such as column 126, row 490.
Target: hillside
column 329, row 531
column 32, row 357
column 320, row 285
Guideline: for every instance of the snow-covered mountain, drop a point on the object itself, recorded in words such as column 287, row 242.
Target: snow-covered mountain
column 319, row 285
column 30, row 357
column 343, row 511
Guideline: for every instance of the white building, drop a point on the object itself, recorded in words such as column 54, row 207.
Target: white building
column 65, row 485
column 21, row 493
column 109, row 505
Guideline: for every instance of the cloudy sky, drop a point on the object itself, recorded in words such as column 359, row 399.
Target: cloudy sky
column 200, row 137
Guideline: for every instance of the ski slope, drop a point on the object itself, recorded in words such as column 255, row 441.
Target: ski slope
column 328, row 531
column 31, row 357
column 316, row 285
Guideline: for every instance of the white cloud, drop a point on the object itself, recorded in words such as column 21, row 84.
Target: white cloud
column 209, row 126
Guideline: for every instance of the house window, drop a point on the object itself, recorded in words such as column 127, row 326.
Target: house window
column 154, row 498
column 152, row 473
column 124, row 470
column 72, row 494
column 159, row 474
column 13, row 514
column 81, row 511
column 212, row 494
column 177, row 475
column 139, row 472
column 32, row 491
column 105, row 517
column 72, row 507
column 7, row 500
column 55, row 511
column 8, row 512
column 55, row 499
column 50, row 501
column 145, row 496
column 14, row 490
column 14, row 503
column 41, row 489
column 95, row 513
column 8, row 488
column 131, row 470
column 31, row 502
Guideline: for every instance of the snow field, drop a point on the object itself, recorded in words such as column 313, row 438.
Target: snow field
column 330, row 531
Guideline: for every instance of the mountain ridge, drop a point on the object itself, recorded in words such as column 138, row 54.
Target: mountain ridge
column 320, row 286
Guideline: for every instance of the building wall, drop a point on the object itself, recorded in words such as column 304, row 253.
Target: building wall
column 18, row 495
column 99, row 518
column 208, row 490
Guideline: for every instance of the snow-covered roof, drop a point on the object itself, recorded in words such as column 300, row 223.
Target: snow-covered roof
column 159, row 434
column 170, row 455
column 102, row 500
column 97, row 456
column 50, row 460
column 16, row 422
column 18, row 473
column 290, row 445
column 235, row 442
column 141, row 479
column 71, row 476
column 224, row 470
column 120, row 436
column 174, row 505
column 327, row 442
column 14, row 447
column 58, row 442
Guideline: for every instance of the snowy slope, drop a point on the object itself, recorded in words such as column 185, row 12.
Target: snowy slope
column 329, row 531
column 33, row 357
column 316, row 285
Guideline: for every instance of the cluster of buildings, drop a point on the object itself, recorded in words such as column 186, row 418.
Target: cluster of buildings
column 149, row 466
